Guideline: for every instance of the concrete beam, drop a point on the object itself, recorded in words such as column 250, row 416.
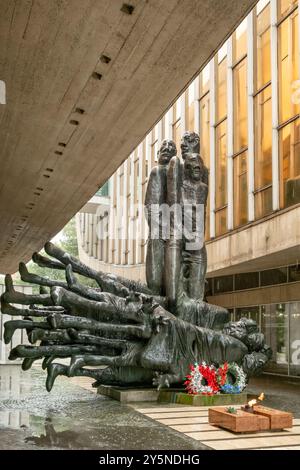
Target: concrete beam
column 84, row 84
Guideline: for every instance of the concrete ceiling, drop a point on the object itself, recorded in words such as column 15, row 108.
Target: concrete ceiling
column 50, row 61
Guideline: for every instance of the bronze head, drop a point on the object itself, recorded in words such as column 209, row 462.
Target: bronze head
column 166, row 152
column 193, row 167
column 190, row 142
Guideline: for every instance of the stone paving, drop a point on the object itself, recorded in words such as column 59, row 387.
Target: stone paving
column 73, row 416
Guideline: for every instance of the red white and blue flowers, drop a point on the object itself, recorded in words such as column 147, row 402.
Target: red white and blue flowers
column 206, row 379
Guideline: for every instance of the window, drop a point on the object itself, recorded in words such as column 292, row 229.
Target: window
column 208, row 287
column 104, row 190
column 240, row 189
column 204, row 81
column 204, row 148
column 240, row 132
column 251, row 313
column 221, row 179
column 289, row 148
column 274, row 324
column 246, row 281
column 263, row 153
column 204, row 129
column 270, row 277
column 221, row 89
column 294, row 274
column 284, row 6
column 223, row 284
column 177, row 131
column 191, row 104
column 288, row 62
column 240, row 41
column 294, row 356
column 263, row 43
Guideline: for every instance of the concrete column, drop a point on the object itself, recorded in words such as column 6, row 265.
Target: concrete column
column 212, row 113
column 275, row 117
column 197, row 106
column 131, row 228
column 230, row 121
column 111, row 222
column 124, row 214
column 251, row 128
column 117, row 218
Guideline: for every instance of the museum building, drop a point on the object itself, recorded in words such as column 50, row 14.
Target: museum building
column 245, row 105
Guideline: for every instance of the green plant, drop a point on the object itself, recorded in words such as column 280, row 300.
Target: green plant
column 231, row 410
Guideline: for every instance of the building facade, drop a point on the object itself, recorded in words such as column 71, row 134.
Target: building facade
column 245, row 106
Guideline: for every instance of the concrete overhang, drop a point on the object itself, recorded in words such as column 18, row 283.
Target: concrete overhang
column 85, row 81
column 264, row 244
column 96, row 205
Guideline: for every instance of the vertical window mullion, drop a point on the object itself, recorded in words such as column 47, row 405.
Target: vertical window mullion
column 274, row 85
column 197, row 106
column 230, row 199
column 250, row 78
column 212, row 74
column 183, row 111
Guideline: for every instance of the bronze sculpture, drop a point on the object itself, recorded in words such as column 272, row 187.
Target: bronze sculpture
column 143, row 334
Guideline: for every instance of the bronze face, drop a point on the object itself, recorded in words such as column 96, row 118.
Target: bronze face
column 166, row 152
column 190, row 142
column 193, row 166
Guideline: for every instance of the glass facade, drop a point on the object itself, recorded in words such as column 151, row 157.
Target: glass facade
column 246, row 116
column 252, row 280
column 245, row 105
column 221, row 179
column 280, row 323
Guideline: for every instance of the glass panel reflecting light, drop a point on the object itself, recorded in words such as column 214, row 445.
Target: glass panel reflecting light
column 240, row 189
column 263, row 68
column 289, row 147
column 294, row 338
column 221, row 89
column 263, row 202
column 288, row 63
column 204, row 130
column 240, row 106
column 240, row 40
column 263, row 138
column 284, row 6
column 221, row 221
column 221, row 165
column 275, row 320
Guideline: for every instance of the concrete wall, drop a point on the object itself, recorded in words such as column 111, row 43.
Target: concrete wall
column 271, row 242
column 262, row 296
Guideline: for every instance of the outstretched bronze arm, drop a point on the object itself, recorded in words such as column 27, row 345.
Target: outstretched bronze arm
column 134, row 336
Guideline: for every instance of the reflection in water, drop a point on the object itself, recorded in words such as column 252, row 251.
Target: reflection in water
column 64, row 439
column 14, row 419
column 42, row 419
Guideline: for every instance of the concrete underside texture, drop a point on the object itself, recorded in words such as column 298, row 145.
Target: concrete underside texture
column 84, row 84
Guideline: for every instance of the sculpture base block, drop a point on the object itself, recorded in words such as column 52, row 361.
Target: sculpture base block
column 127, row 395
column 171, row 396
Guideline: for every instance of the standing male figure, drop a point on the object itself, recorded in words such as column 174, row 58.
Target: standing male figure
column 156, row 195
column 193, row 199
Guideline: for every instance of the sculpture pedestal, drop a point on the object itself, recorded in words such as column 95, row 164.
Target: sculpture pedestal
column 173, row 396
column 135, row 394
column 126, row 395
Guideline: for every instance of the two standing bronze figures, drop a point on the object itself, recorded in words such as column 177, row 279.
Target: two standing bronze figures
column 141, row 334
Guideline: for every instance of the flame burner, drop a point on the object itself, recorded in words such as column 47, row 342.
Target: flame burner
column 249, row 407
